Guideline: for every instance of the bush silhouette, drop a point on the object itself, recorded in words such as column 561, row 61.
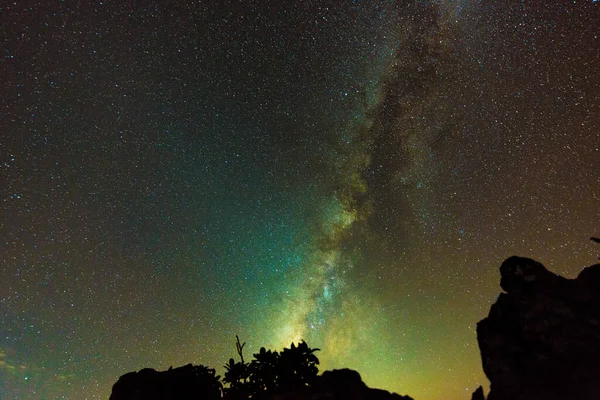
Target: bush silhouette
column 297, row 367
column 270, row 372
column 263, row 377
column 236, row 375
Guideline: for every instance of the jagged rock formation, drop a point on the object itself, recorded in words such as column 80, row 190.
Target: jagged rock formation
column 344, row 384
column 183, row 383
column 192, row 382
column 478, row 394
column 541, row 339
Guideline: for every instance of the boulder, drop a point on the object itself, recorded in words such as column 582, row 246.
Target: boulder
column 340, row 384
column 347, row 384
column 541, row 339
column 184, row 383
column 478, row 394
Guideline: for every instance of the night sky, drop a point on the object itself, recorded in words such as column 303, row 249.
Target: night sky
column 351, row 173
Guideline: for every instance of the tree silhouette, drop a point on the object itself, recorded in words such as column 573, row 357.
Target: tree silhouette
column 270, row 372
column 263, row 371
column 297, row 367
column 236, row 375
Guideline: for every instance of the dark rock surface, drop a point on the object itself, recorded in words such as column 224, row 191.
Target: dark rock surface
column 478, row 394
column 339, row 384
column 541, row 339
column 346, row 384
column 184, row 383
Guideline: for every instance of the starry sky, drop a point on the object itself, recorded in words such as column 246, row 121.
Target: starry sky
column 351, row 173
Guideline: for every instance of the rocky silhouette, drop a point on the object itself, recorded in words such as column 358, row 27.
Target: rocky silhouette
column 183, row 383
column 478, row 394
column 347, row 384
column 541, row 339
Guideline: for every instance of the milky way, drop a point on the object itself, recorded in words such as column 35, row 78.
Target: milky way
column 174, row 175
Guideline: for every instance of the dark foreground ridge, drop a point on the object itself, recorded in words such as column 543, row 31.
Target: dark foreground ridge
column 540, row 341
column 199, row 383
